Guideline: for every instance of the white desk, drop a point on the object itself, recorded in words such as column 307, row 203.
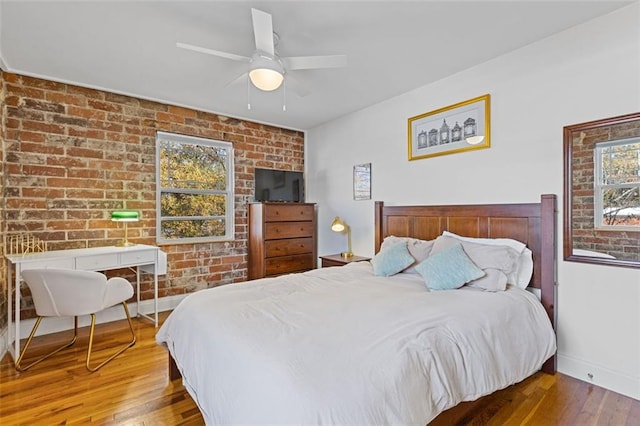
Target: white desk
column 144, row 258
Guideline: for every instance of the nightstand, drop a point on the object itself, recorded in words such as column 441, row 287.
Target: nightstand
column 338, row 260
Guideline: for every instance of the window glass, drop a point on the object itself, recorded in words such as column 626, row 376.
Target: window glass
column 194, row 189
column 617, row 183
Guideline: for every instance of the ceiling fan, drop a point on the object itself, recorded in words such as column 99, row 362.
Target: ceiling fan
column 266, row 68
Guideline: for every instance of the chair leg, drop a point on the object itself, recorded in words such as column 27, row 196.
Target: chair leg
column 19, row 366
column 125, row 347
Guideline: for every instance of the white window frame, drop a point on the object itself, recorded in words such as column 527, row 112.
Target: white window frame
column 599, row 186
column 228, row 191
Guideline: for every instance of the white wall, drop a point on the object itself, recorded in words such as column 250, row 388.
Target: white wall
column 585, row 73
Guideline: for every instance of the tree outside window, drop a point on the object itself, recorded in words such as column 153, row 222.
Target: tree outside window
column 194, row 189
column 617, row 184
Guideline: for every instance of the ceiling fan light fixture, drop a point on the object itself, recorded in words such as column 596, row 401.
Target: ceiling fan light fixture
column 266, row 79
column 266, row 73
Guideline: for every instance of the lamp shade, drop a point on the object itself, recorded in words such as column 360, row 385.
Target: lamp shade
column 125, row 216
column 338, row 225
column 266, row 73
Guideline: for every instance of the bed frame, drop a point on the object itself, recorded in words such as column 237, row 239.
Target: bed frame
column 534, row 224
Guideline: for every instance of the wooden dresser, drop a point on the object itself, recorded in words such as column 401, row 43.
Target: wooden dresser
column 282, row 238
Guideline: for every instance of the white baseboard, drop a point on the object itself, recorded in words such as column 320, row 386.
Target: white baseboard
column 599, row 375
column 55, row 324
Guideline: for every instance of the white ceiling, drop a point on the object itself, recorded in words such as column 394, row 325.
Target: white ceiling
column 392, row 47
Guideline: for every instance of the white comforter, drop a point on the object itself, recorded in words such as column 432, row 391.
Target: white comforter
column 342, row 346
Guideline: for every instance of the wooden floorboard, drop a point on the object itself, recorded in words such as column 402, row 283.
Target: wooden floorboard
column 134, row 389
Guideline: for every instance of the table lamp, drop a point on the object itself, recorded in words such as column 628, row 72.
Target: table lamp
column 339, row 225
column 125, row 216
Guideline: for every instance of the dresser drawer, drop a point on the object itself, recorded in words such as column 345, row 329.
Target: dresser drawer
column 287, row 264
column 97, row 262
column 277, row 230
column 288, row 212
column 275, row 248
column 137, row 257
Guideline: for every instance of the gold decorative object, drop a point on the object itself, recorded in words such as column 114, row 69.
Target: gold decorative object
column 338, row 225
column 25, row 243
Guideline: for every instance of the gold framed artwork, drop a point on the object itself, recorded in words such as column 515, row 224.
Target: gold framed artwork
column 456, row 128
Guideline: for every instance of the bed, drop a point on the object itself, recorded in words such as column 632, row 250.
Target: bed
column 343, row 345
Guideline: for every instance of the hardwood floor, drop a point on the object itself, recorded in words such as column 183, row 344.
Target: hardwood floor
column 134, row 389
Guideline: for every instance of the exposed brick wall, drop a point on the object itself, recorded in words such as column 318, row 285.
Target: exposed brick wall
column 621, row 244
column 73, row 155
column 3, row 266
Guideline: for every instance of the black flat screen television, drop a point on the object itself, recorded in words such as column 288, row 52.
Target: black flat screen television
column 279, row 185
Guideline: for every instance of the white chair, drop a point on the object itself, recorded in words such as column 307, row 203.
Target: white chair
column 71, row 293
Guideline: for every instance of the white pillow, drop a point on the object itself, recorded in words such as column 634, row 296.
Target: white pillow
column 514, row 244
column 523, row 273
column 419, row 249
column 493, row 280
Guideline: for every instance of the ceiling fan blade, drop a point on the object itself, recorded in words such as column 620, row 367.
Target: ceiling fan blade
column 241, row 78
column 213, row 52
column 263, row 31
column 311, row 62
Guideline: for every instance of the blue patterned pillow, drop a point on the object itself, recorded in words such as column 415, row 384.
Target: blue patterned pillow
column 392, row 260
column 448, row 269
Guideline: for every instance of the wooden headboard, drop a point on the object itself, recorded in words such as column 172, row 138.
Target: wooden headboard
column 534, row 224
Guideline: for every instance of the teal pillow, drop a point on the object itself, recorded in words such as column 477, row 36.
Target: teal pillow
column 448, row 269
column 392, row 260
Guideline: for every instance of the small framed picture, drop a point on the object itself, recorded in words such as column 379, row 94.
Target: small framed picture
column 362, row 181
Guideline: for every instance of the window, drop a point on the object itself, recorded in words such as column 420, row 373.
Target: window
column 194, row 189
column 617, row 184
